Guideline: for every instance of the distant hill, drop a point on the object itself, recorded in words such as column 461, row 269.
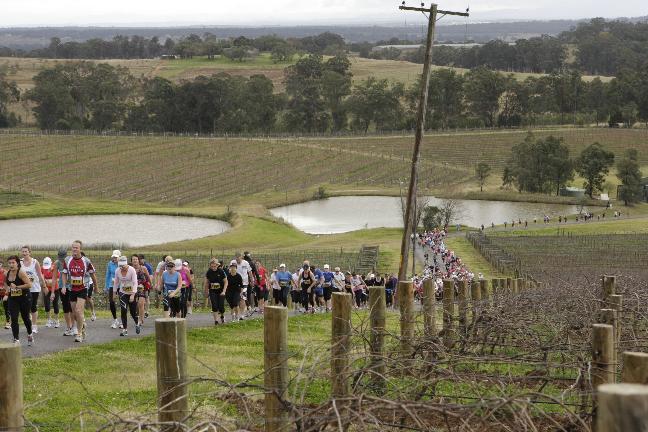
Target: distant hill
column 38, row 37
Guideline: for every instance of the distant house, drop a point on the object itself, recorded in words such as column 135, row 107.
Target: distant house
column 169, row 57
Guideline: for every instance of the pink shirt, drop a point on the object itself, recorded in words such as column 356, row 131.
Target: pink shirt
column 126, row 284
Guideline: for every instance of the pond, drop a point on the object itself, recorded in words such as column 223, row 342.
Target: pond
column 124, row 230
column 350, row 213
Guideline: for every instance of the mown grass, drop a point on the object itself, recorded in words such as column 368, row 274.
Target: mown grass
column 472, row 258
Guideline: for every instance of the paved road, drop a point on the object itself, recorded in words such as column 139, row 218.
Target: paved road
column 51, row 340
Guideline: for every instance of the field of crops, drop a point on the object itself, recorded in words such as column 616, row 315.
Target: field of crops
column 182, row 170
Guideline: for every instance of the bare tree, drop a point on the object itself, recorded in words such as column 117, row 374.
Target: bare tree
column 451, row 211
column 420, row 203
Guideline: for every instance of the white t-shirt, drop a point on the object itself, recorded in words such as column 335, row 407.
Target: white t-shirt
column 32, row 274
column 243, row 269
column 339, row 280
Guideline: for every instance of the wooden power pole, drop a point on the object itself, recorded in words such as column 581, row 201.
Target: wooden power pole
column 409, row 227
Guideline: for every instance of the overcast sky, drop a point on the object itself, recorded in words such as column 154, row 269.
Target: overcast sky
column 278, row 12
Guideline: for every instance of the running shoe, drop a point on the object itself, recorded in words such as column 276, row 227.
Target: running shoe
column 222, row 320
column 215, row 323
column 35, row 329
column 146, row 314
column 78, row 338
column 123, row 333
column 16, row 341
column 114, row 324
column 93, row 317
column 69, row 332
column 240, row 318
column 121, row 326
column 30, row 339
column 138, row 328
column 49, row 323
column 8, row 325
column 57, row 324
column 83, row 331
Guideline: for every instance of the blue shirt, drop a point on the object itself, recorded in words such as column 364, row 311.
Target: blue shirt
column 328, row 277
column 110, row 274
column 170, row 281
column 284, row 278
column 318, row 277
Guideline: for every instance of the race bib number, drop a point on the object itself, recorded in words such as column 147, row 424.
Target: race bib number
column 327, row 284
column 140, row 288
column 16, row 292
column 31, row 276
column 184, row 285
column 76, row 281
column 215, row 286
column 283, row 284
column 128, row 289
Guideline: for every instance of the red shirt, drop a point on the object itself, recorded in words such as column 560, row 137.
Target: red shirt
column 76, row 269
column 2, row 281
column 262, row 277
column 47, row 275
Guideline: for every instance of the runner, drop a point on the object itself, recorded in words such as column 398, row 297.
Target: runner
column 286, row 283
column 87, row 280
column 51, row 298
column 215, row 286
column 338, row 280
column 149, row 268
column 244, row 269
column 262, row 285
column 188, row 279
column 234, row 291
column 33, row 270
column 171, row 287
column 275, row 287
column 5, row 297
column 295, row 292
column 307, row 283
column 186, row 282
column 157, row 277
column 125, row 287
column 358, row 286
column 76, row 267
column 18, row 284
column 347, row 283
column 143, row 288
column 318, row 289
column 252, row 300
column 328, row 282
column 65, row 294
column 111, row 268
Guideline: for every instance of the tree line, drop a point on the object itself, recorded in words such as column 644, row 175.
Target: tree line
column 320, row 96
column 544, row 165
column 599, row 47
column 209, row 45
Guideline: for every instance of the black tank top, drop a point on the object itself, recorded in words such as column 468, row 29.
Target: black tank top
column 16, row 278
column 307, row 280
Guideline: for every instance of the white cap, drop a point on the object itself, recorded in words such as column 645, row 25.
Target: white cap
column 233, row 263
column 326, row 267
column 47, row 263
column 337, row 269
column 185, row 263
column 282, row 265
column 116, row 254
column 178, row 264
column 371, row 275
column 122, row 261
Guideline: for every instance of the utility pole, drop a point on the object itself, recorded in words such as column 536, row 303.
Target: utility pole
column 409, row 227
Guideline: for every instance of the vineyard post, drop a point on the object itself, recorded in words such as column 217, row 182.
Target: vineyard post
column 475, row 301
column 172, row 378
column 275, row 347
column 635, row 368
column 514, row 286
column 485, row 295
column 622, row 407
column 406, row 305
column 609, row 287
column 11, row 383
column 602, row 355
column 429, row 312
column 509, row 285
column 615, row 301
column 448, row 313
column 377, row 317
column 463, row 308
column 610, row 316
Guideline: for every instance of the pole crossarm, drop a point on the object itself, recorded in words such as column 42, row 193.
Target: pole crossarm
column 439, row 11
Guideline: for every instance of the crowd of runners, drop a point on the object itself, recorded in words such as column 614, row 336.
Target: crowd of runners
column 69, row 284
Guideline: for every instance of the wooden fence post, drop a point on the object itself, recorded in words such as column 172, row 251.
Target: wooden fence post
column 463, row 308
column 172, row 379
column 485, row 295
column 11, row 388
column 429, row 312
column 609, row 316
column 448, row 313
column 275, row 347
column 509, row 285
column 609, row 288
column 377, row 318
column 602, row 355
column 407, row 320
column 615, row 301
column 622, row 408
column 476, row 303
column 635, row 368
